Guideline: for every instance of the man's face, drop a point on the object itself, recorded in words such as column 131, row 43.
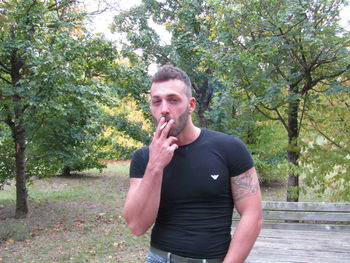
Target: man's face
column 168, row 99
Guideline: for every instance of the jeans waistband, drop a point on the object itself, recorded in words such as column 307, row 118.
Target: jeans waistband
column 178, row 259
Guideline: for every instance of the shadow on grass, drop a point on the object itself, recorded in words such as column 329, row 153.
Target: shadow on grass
column 80, row 176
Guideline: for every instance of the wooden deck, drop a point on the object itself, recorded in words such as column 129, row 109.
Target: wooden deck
column 296, row 246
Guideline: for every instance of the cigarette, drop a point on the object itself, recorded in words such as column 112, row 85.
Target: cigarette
column 163, row 126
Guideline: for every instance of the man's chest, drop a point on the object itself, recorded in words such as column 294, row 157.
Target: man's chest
column 196, row 175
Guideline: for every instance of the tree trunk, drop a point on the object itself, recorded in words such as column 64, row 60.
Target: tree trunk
column 18, row 133
column 293, row 178
column 204, row 94
column 201, row 117
column 293, row 150
column 66, row 171
column 21, row 194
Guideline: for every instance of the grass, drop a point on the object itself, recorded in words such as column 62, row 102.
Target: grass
column 77, row 219
column 71, row 219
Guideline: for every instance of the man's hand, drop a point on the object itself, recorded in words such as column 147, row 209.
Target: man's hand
column 162, row 147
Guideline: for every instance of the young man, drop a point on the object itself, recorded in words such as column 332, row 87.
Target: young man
column 187, row 182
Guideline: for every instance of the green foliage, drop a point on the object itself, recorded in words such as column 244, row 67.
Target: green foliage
column 277, row 52
column 54, row 83
column 7, row 153
column 183, row 20
column 270, row 48
column 128, row 129
column 132, row 81
column 328, row 147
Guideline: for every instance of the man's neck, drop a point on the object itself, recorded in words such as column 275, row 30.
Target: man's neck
column 188, row 135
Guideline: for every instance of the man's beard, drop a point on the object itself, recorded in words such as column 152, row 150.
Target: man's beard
column 180, row 123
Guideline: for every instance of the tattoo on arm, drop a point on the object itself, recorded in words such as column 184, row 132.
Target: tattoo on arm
column 243, row 185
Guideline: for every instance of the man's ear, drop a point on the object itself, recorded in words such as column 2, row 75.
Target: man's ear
column 192, row 104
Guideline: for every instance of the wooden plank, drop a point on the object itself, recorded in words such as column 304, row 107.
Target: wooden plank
column 303, row 216
column 310, row 216
column 278, row 246
column 307, row 227
column 302, row 226
column 307, row 216
column 306, row 206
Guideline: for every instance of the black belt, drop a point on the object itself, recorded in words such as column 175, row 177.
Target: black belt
column 178, row 259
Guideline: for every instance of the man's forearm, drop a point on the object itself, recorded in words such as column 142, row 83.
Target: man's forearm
column 142, row 203
column 243, row 239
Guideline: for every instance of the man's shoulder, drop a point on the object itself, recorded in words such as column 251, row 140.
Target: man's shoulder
column 220, row 140
column 143, row 149
column 139, row 162
column 142, row 152
column 217, row 136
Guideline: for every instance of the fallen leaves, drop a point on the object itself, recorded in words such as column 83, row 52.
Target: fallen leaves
column 118, row 244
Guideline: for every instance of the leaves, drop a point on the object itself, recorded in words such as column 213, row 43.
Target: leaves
column 183, row 20
column 328, row 147
column 278, row 52
column 54, row 84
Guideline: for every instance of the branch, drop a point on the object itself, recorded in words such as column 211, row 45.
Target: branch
column 35, row 129
column 308, row 86
column 289, row 29
column 265, row 114
column 337, row 74
column 58, row 5
column 30, row 7
column 8, row 119
column 302, row 114
column 281, row 72
column 327, row 138
column 4, row 68
column 7, row 81
column 330, row 101
column 282, row 120
column 314, row 61
column 107, row 6
column 298, row 42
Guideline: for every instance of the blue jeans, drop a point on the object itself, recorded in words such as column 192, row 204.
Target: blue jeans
column 153, row 258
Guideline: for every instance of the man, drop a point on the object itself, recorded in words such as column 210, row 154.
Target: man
column 187, row 182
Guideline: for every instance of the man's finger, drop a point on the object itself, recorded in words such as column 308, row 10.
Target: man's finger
column 167, row 127
column 161, row 122
column 173, row 147
column 172, row 140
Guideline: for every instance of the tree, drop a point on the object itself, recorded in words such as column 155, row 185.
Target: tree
column 182, row 20
column 278, row 52
column 50, row 81
column 327, row 154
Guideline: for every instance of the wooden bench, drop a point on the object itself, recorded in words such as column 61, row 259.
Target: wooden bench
column 305, row 216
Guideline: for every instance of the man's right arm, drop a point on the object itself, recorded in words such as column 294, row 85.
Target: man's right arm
column 142, row 201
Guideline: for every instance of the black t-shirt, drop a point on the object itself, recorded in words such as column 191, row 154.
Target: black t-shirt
column 195, row 213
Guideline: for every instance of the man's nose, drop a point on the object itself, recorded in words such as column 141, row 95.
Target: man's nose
column 165, row 108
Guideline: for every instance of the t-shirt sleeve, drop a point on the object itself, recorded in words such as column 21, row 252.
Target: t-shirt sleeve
column 139, row 163
column 240, row 159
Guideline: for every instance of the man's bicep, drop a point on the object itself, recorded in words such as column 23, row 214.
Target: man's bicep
column 246, row 192
column 245, row 185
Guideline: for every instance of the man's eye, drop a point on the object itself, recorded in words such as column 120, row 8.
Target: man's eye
column 155, row 102
column 173, row 100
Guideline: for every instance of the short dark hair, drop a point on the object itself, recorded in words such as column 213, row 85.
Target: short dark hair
column 169, row 72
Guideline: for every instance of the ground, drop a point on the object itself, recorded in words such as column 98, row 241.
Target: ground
column 71, row 219
column 77, row 219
